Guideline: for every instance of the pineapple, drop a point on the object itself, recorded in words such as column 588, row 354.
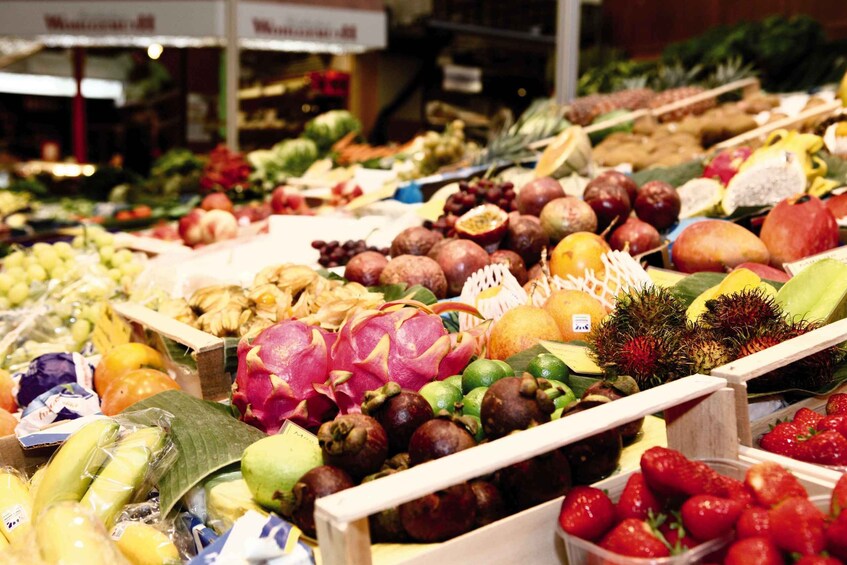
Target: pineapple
column 729, row 71
column 675, row 94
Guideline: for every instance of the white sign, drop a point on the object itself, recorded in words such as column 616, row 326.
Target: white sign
column 839, row 254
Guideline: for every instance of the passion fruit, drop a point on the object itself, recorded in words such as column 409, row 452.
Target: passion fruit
column 578, row 252
column 526, row 237
column 537, row 193
column 513, row 261
column 416, row 240
column 365, row 268
column 459, row 259
column 412, row 270
column 564, row 216
column 485, row 225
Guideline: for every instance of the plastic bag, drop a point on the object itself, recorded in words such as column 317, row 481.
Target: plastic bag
column 67, row 533
column 140, row 530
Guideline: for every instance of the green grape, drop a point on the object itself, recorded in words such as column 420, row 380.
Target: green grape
column 18, row 293
column 115, row 274
column 132, row 269
column 36, row 273
column 92, row 312
column 48, row 259
column 64, row 249
column 15, row 259
column 40, row 248
column 6, row 282
column 29, row 261
column 104, row 239
column 78, row 242
column 17, row 273
column 4, row 303
column 106, row 254
column 80, row 330
column 122, row 257
column 59, row 272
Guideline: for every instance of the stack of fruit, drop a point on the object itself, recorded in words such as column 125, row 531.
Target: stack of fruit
column 812, row 437
column 676, row 506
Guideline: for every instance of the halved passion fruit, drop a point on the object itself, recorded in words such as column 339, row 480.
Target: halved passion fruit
column 485, row 225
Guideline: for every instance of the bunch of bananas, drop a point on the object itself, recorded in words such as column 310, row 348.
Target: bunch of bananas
column 278, row 293
column 80, row 493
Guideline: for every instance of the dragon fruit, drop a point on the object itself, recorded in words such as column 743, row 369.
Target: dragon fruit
column 726, row 164
column 407, row 345
column 277, row 374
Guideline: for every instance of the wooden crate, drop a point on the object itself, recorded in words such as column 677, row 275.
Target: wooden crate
column 208, row 350
column 739, row 372
column 342, row 519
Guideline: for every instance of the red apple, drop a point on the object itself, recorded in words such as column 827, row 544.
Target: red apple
column 798, row 227
column 167, row 232
column 216, row 201
column 635, row 236
column 286, row 201
column 837, row 205
column 218, row 225
column 189, row 227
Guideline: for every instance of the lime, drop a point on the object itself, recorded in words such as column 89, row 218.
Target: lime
column 473, row 401
column 455, row 380
column 548, row 366
column 480, row 434
column 482, row 372
column 507, row 369
column 441, row 395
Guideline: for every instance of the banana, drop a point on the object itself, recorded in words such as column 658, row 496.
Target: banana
column 15, row 507
column 35, row 480
column 4, row 543
column 75, row 463
column 121, row 476
column 143, row 544
column 66, row 534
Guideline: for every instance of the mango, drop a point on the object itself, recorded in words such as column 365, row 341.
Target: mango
column 716, row 245
column 818, row 293
column 735, row 281
column 272, row 466
column 798, row 227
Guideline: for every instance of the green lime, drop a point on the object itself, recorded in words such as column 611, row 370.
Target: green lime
column 480, row 434
column 548, row 366
column 482, row 372
column 441, row 395
column 473, row 401
column 507, row 369
column 455, row 380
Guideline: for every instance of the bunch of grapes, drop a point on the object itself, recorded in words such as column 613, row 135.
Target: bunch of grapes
column 439, row 150
column 336, row 254
column 482, row 191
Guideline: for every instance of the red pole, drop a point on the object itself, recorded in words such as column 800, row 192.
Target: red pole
column 78, row 123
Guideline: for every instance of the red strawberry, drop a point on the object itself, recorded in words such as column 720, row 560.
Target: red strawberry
column 807, row 418
column 771, row 482
column 734, row 489
column 837, row 404
column 782, row 439
column 838, row 502
column 825, row 448
column 837, row 423
column 709, row 517
column 587, row 513
column 637, row 500
column 836, row 537
column 753, row 522
column 797, row 526
column 668, row 472
column 676, row 536
column 634, row 538
column 753, row 551
column 817, row 560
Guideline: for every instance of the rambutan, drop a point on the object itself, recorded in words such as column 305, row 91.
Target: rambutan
column 729, row 314
column 706, row 349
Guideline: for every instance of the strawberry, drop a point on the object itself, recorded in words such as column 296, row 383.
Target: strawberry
column 637, row 500
column 818, row 560
column 678, row 539
column 837, row 423
column 771, row 482
column 753, row 522
column 734, row 489
column 670, row 473
column 825, row 448
column 807, row 418
column 782, row 439
column 837, row 404
column 634, row 538
column 753, row 551
column 587, row 513
column 838, row 502
column 708, row 517
column 797, row 526
column 836, row 537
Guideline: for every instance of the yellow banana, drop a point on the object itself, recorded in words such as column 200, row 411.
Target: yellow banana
column 15, row 506
column 67, row 534
column 35, row 480
column 123, row 473
column 143, row 544
column 4, row 543
column 75, row 463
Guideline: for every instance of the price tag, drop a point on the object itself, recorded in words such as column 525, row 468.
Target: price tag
column 575, row 357
column 839, row 254
column 664, row 277
column 110, row 330
column 307, row 438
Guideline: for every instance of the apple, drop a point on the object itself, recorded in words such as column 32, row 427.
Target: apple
column 797, row 227
column 658, row 204
column 837, row 205
column 189, row 227
column 218, row 225
column 286, row 201
column 167, row 232
column 216, row 201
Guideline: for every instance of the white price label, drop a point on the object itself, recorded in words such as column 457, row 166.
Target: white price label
column 581, row 323
column 14, row 517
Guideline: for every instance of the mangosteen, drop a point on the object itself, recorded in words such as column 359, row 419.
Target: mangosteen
column 442, row 436
column 596, row 457
column 526, row 237
column 386, row 526
column 515, row 403
column 490, row 505
column 397, row 462
column 319, row 482
column 535, row 480
column 354, row 442
column 614, row 389
column 400, row 412
column 412, row 270
column 441, row 515
column 414, row 241
column 513, row 261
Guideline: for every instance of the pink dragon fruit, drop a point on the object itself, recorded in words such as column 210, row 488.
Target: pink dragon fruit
column 276, row 375
column 726, row 164
column 408, row 346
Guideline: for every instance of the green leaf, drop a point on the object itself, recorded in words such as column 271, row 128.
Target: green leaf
column 675, row 176
column 179, row 353
column 520, row 361
column 694, row 285
column 206, row 438
column 391, row 292
column 836, row 167
column 450, row 320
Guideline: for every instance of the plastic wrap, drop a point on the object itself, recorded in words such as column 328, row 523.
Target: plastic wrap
column 15, row 505
column 141, row 530
column 67, row 533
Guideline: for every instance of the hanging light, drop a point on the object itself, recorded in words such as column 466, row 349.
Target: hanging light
column 154, row 50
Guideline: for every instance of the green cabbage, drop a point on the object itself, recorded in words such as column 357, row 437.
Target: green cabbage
column 331, row 126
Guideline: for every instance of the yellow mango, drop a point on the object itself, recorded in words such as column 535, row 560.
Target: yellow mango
column 736, row 281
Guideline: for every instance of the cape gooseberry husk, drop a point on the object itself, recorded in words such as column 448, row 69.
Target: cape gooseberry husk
column 745, row 310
